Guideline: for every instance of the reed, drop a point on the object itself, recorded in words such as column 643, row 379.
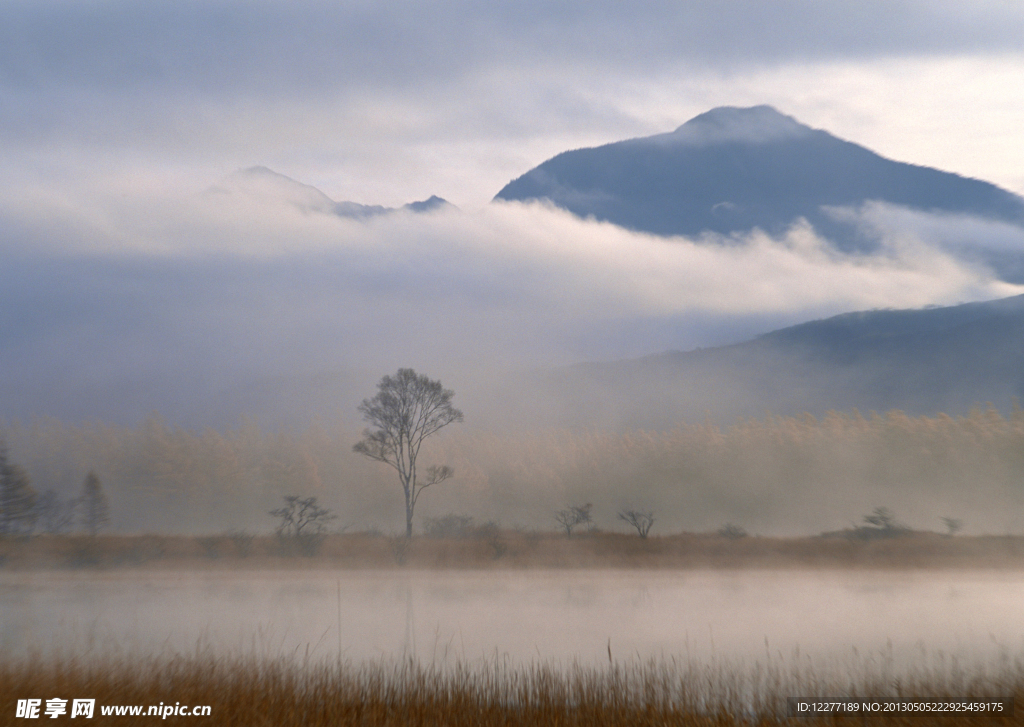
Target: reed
column 284, row 691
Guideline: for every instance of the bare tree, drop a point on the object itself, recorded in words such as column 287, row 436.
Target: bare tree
column 17, row 498
column 567, row 519
column 642, row 521
column 407, row 408
column 302, row 516
column 882, row 517
column 302, row 525
column 573, row 516
column 93, row 503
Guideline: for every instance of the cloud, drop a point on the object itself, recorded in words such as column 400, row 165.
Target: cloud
column 957, row 233
column 971, row 240
column 384, row 103
column 533, row 254
column 179, row 300
column 226, row 47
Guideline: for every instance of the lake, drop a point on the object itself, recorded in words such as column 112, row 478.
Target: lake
column 558, row 616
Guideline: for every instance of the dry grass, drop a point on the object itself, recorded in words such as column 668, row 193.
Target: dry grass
column 514, row 549
column 283, row 692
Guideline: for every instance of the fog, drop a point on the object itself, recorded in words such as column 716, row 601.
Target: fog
column 845, row 622
column 205, row 307
column 133, row 323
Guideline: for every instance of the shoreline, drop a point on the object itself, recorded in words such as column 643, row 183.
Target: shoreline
column 514, row 551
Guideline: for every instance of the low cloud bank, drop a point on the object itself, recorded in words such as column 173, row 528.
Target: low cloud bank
column 175, row 301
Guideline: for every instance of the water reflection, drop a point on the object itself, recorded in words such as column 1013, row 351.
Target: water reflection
column 552, row 615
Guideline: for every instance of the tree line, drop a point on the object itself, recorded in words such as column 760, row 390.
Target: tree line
column 23, row 511
column 771, row 474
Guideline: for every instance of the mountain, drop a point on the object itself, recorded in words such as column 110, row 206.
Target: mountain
column 267, row 186
column 432, row 203
column 926, row 361
column 733, row 169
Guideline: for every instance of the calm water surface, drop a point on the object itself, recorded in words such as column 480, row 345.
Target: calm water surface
column 551, row 615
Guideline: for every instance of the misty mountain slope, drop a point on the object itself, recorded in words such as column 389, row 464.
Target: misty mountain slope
column 267, row 186
column 921, row 361
column 734, row 169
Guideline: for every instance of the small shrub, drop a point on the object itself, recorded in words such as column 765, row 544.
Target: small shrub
column 400, row 549
column 210, row 546
column 881, row 523
column 642, row 521
column 83, row 554
column 302, row 525
column 498, row 548
column 491, row 532
column 488, row 530
column 242, row 542
column 448, row 526
column 732, row 532
column 301, row 516
column 573, row 516
column 309, row 543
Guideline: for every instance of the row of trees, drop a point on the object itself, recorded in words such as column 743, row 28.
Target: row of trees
column 774, row 474
column 408, row 408
column 22, row 510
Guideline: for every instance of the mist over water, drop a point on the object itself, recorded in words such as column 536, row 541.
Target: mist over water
column 813, row 619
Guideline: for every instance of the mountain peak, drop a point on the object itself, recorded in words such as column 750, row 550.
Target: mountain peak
column 732, row 170
column 427, row 205
column 754, row 124
column 266, row 186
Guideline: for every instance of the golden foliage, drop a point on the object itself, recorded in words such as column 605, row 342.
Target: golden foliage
column 776, row 474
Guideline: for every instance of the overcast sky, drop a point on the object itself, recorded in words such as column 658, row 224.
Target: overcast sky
column 118, row 116
column 386, row 102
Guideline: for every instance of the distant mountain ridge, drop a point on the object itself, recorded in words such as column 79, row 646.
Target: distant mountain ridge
column 926, row 361
column 263, row 183
column 733, row 169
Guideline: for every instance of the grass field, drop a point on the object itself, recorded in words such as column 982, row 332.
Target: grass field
column 285, row 692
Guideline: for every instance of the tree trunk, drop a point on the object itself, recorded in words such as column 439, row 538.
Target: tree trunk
column 408, row 513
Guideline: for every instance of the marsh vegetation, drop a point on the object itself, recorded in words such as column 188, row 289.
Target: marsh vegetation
column 533, row 647
column 293, row 691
